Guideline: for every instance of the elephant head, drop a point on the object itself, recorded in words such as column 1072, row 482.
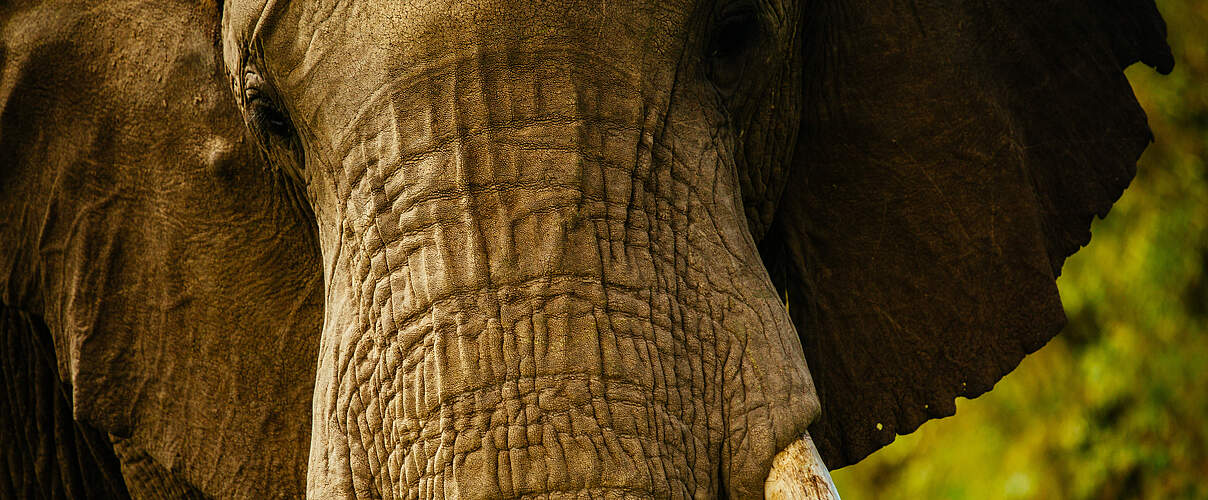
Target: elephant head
column 521, row 248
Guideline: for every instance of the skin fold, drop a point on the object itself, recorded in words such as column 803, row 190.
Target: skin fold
column 521, row 249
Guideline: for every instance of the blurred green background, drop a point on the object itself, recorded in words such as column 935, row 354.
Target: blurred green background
column 1117, row 405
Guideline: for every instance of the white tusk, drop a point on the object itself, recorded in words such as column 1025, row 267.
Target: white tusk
column 798, row 473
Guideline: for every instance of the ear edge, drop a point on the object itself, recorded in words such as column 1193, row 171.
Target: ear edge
column 1137, row 32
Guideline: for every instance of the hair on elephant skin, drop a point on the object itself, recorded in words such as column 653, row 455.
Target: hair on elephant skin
column 281, row 248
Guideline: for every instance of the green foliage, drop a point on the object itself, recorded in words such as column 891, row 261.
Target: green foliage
column 1117, row 405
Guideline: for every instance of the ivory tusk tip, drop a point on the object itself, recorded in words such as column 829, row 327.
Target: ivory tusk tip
column 799, row 473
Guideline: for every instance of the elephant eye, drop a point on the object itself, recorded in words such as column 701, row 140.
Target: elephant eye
column 263, row 111
column 267, row 116
column 736, row 35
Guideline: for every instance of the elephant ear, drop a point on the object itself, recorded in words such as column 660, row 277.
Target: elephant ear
column 178, row 284
column 952, row 155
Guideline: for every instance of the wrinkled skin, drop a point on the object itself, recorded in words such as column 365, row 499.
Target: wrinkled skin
column 539, row 276
column 516, row 248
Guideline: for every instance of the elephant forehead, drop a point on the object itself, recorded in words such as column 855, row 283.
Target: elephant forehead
column 419, row 28
column 329, row 59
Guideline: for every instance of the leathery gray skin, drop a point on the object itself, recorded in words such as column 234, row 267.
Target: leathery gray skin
column 539, row 274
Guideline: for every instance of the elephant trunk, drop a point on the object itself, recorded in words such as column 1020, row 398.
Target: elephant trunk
column 544, row 286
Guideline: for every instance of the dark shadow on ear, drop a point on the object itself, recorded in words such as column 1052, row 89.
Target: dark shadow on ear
column 46, row 454
column 952, row 155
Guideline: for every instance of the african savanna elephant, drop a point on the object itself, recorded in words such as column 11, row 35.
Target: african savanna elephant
column 510, row 248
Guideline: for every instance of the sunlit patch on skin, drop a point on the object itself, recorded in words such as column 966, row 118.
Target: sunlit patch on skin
column 219, row 155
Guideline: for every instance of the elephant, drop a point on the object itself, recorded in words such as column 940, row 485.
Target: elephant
column 506, row 249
